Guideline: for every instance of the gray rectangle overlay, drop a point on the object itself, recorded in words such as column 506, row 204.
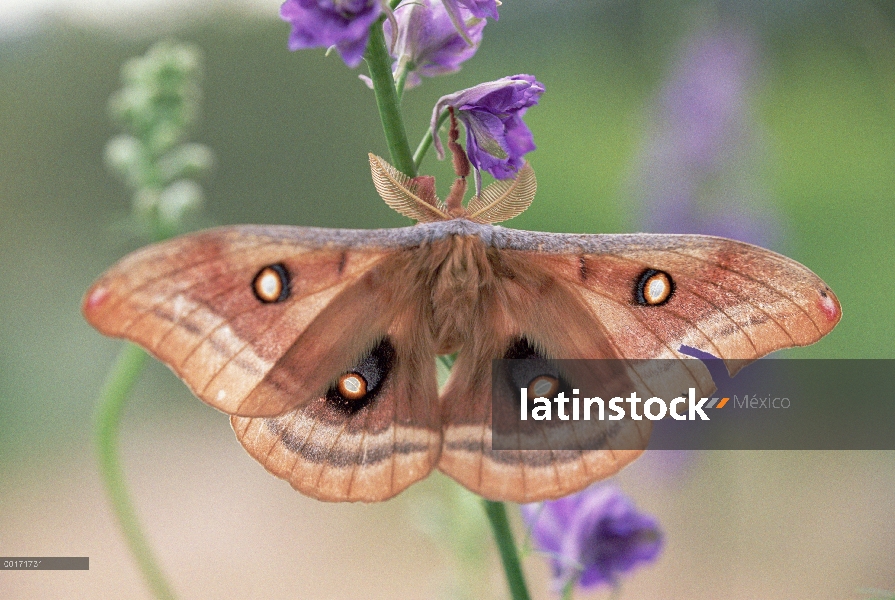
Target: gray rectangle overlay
column 790, row 404
column 45, row 563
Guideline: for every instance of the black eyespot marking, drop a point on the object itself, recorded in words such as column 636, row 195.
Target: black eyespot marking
column 823, row 293
column 532, row 370
column 271, row 284
column 653, row 288
column 360, row 385
column 521, row 348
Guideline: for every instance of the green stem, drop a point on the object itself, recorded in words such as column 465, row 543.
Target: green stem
column 116, row 390
column 427, row 140
column 568, row 590
column 380, row 64
column 400, row 82
column 447, row 360
column 503, row 535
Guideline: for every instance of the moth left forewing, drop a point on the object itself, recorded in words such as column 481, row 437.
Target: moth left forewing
column 193, row 303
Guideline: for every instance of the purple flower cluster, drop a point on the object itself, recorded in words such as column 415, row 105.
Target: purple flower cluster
column 593, row 537
column 427, row 38
column 438, row 35
column 694, row 172
column 496, row 136
column 427, row 42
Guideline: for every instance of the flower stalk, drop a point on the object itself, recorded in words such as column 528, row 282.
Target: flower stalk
column 427, row 140
column 506, row 545
column 115, row 393
column 500, row 527
column 156, row 106
column 380, row 65
column 388, row 101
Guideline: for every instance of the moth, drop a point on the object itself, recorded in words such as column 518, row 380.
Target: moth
column 321, row 344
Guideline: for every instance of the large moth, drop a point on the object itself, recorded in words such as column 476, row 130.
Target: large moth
column 321, row 343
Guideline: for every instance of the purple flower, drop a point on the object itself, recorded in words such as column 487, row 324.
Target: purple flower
column 496, row 136
column 478, row 8
column 427, row 42
column 344, row 24
column 592, row 537
column 698, row 170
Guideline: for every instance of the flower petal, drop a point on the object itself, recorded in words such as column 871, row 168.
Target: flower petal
column 344, row 24
column 427, row 41
column 594, row 536
column 496, row 136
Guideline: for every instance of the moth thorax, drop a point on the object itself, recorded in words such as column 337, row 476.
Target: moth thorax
column 457, row 290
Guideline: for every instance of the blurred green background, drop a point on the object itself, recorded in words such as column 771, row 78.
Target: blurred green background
column 290, row 132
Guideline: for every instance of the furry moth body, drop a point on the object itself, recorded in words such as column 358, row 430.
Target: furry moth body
column 321, row 343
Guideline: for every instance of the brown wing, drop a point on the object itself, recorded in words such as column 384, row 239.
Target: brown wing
column 191, row 303
column 531, row 314
column 369, row 448
column 627, row 297
column 262, row 322
column 733, row 300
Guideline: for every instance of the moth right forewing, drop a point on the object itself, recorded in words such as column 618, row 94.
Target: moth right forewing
column 561, row 319
column 733, row 300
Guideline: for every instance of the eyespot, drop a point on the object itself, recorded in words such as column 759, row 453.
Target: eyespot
column 526, row 367
column 543, row 386
column 352, row 386
column 653, row 288
column 271, row 284
column 360, row 385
